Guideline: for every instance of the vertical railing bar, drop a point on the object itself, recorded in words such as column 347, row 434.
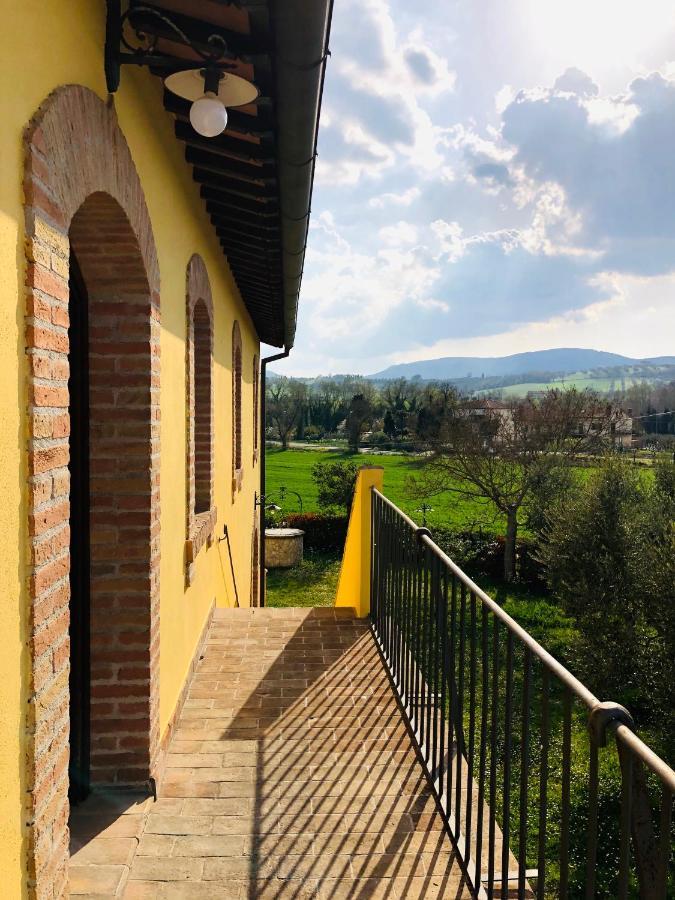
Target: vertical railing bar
column 664, row 843
column 432, row 657
column 418, row 631
column 506, row 805
column 443, row 624
column 566, row 775
column 472, row 726
column 397, row 596
column 401, row 609
column 459, row 726
column 524, row 772
column 390, row 586
column 408, row 612
column 435, row 581
column 379, row 563
column 543, row 784
column 592, row 835
column 626, row 761
column 453, row 743
column 373, row 558
column 485, row 685
column 384, row 575
column 423, row 652
column 428, row 568
column 493, row 759
column 411, row 597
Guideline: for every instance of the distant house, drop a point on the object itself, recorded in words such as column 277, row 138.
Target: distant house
column 623, row 431
column 619, row 432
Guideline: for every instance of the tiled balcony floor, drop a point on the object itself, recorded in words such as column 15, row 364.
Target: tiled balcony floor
column 290, row 775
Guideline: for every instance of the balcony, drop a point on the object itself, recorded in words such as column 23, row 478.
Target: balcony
column 414, row 741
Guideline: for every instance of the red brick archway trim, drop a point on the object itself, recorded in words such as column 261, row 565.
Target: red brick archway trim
column 237, row 378
column 201, row 508
column 82, row 189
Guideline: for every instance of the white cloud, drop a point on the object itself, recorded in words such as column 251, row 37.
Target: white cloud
column 405, row 198
column 398, row 234
column 637, row 320
column 510, row 205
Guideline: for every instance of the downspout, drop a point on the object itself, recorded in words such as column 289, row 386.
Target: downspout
column 263, row 418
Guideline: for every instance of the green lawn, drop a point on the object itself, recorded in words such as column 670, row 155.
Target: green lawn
column 293, row 469
column 313, row 583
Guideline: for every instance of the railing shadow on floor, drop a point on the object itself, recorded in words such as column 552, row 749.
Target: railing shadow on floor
column 334, row 760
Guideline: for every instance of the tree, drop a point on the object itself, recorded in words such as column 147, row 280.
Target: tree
column 609, row 558
column 400, row 399
column 285, row 403
column 502, row 452
column 336, row 482
column 433, row 406
column 327, row 405
column 358, row 417
column 389, row 425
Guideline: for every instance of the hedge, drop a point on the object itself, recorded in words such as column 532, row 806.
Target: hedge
column 322, row 532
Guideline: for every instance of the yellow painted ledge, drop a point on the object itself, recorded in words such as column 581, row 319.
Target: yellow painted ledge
column 354, row 584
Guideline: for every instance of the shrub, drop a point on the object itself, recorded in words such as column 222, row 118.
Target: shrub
column 335, row 482
column 322, row 532
column 609, row 558
column 482, row 553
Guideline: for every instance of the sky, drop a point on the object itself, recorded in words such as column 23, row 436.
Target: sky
column 494, row 176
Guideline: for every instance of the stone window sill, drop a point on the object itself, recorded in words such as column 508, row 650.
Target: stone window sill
column 237, row 481
column 201, row 531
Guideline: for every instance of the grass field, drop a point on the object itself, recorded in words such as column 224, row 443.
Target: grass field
column 293, row 469
column 600, row 380
column 312, row 583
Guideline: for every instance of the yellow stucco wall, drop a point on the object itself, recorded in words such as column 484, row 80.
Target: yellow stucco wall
column 44, row 44
column 353, row 590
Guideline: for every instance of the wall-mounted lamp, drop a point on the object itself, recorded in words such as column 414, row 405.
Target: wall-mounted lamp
column 206, row 82
column 211, row 91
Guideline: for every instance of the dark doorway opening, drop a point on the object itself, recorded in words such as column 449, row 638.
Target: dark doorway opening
column 80, row 584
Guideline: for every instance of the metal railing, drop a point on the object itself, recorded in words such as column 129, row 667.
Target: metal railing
column 537, row 800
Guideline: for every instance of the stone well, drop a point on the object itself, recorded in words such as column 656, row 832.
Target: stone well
column 283, row 547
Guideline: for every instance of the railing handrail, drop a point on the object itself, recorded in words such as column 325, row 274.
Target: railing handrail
column 625, row 734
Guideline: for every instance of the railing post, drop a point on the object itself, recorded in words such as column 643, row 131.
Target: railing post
column 354, row 584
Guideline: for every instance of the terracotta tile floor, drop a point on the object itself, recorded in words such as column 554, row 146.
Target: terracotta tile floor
column 290, row 775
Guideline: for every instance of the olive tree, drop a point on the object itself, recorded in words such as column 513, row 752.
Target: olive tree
column 502, row 453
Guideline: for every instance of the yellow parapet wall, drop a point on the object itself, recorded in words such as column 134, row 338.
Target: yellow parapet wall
column 354, row 584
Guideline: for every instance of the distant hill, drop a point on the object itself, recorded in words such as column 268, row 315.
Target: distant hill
column 563, row 360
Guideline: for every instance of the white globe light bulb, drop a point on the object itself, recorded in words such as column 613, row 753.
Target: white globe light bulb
column 208, row 116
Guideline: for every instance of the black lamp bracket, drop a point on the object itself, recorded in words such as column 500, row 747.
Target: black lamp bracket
column 127, row 42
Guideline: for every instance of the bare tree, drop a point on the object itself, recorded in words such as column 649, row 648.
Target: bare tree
column 286, row 399
column 501, row 452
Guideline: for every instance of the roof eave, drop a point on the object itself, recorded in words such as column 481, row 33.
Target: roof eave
column 301, row 32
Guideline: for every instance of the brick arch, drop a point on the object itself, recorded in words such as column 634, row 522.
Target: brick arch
column 201, row 508
column 82, row 192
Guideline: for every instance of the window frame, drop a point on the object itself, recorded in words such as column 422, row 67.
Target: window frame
column 237, row 409
column 200, row 524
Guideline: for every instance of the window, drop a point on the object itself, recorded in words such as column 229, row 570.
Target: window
column 201, row 511
column 202, row 407
column 236, row 408
column 256, row 400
